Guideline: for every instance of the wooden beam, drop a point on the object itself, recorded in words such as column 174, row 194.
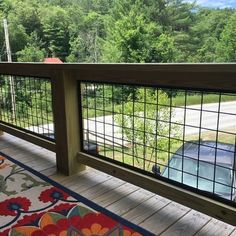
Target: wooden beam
column 198, row 202
column 214, row 77
column 28, row 137
column 66, row 118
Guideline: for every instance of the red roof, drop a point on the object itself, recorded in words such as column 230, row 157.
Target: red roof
column 52, row 60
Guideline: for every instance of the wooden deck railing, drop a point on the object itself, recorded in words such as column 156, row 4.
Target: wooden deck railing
column 66, row 109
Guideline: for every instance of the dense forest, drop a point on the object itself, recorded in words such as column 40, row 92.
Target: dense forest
column 118, row 31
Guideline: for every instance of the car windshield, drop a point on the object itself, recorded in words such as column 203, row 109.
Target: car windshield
column 200, row 175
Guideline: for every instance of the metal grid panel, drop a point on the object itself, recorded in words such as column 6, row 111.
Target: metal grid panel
column 161, row 133
column 26, row 103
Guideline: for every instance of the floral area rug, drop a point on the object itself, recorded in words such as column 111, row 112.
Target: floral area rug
column 33, row 205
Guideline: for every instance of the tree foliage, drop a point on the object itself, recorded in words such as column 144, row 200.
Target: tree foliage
column 143, row 122
column 119, row 31
column 226, row 47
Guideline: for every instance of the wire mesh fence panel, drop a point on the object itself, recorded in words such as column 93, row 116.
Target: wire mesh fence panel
column 185, row 137
column 26, row 103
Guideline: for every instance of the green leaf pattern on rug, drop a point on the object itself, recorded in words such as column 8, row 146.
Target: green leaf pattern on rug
column 16, row 233
column 79, row 211
column 33, row 182
column 3, row 187
column 51, row 217
column 28, row 181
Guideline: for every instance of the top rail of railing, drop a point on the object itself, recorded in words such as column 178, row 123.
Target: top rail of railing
column 217, row 77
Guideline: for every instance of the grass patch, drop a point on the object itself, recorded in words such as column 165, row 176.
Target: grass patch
column 107, row 108
column 33, row 119
column 207, row 98
column 221, row 136
column 126, row 155
column 136, row 158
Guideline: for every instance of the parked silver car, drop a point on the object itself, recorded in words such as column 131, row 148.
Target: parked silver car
column 206, row 166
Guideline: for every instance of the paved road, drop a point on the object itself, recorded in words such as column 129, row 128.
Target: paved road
column 209, row 118
column 104, row 129
column 192, row 117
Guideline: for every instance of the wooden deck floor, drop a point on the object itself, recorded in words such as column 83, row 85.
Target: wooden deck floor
column 154, row 213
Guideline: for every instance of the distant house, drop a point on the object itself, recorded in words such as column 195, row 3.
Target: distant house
column 52, row 60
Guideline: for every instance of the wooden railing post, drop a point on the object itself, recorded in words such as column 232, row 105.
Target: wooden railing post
column 1, row 132
column 66, row 118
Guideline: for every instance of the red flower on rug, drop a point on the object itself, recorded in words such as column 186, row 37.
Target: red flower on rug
column 61, row 227
column 99, row 224
column 30, row 219
column 129, row 233
column 63, row 208
column 5, row 232
column 94, row 222
column 52, row 195
column 12, row 207
column 79, row 221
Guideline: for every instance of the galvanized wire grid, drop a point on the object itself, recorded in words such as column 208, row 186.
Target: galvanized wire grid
column 26, row 103
column 159, row 132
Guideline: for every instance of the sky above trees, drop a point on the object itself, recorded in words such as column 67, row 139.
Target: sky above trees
column 216, row 3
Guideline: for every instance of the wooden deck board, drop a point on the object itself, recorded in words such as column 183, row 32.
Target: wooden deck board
column 102, row 188
column 165, row 217
column 188, row 225
column 49, row 171
column 146, row 208
column 130, row 201
column 115, row 195
column 215, row 228
column 233, row 233
column 86, row 181
column 152, row 212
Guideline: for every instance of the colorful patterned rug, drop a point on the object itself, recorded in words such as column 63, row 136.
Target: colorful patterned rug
column 33, row 205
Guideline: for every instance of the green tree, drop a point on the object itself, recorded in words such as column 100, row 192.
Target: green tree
column 27, row 14
column 205, row 33
column 18, row 38
column 86, row 40
column 5, row 6
column 55, row 23
column 144, row 122
column 33, row 51
column 133, row 37
column 226, row 49
column 163, row 49
column 180, row 17
column 120, row 31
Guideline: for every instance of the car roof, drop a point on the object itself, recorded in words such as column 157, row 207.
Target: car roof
column 209, row 151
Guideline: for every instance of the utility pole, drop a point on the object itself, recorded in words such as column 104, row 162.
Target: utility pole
column 9, row 59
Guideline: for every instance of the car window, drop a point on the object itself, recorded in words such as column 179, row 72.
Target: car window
column 202, row 175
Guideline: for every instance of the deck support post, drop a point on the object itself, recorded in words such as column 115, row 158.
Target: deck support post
column 1, row 132
column 66, row 118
